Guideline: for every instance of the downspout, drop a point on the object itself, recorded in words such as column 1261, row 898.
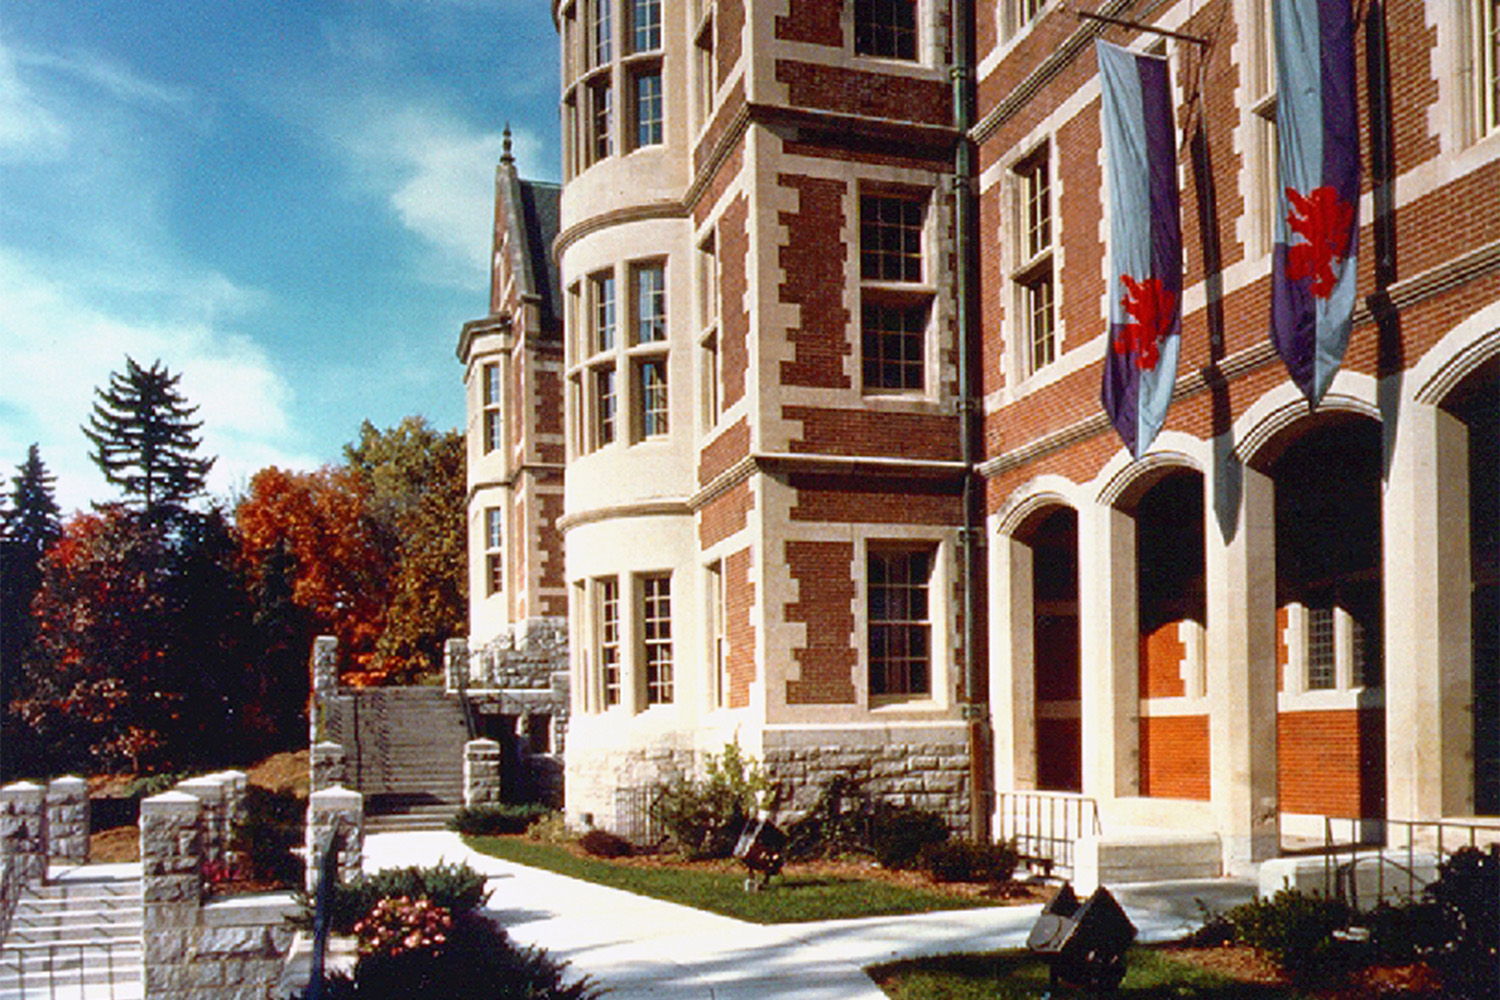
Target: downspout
column 975, row 708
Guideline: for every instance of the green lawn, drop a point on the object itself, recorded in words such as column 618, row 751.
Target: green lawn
column 720, row 888
column 1010, row 975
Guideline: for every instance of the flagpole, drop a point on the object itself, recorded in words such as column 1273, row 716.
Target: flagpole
column 1084, row 15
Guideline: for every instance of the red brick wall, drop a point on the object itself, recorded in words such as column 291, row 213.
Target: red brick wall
column 1174, row 757
column 824, row 575
column 731, row 30
column 867, row 432
column 813, row 21
column 1076, row 166
column 739, row 601
column 725, row 514
column 734, row 319
column 846, row 500
column 732, row 103
column 1162, row 653
column 722, row 452
column 868, row 95
column 813, row 264
column 1283, row 652
column 1331, row 763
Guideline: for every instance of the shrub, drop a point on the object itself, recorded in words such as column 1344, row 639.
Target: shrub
column 900, row 833
column 1295, row 929
column 838, row 822
column 703, row 818
column 456, row 888
column 551, row 829
column 396, row 926
column 966, row 861
column 490, row 821
column 1467, row 895
column 603, row 844
column 475, row 961
column 265, row 840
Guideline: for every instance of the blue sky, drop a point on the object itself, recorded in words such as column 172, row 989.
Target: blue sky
column 286, row 201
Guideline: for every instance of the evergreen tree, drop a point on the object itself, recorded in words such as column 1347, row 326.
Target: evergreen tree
column 143, row 437
column 29, row 524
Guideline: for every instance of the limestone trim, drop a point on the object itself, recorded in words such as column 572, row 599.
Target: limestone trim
column 791, row 462
column 1448, row 275
column 1457, row 355
column 500, row 324
column 1119, row 485
column 670, row 209
column 521, row 472
column 1022, row 510
column 670, row 507
column 1290, row 409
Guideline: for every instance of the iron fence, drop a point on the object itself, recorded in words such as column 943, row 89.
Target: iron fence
column 1046, row 826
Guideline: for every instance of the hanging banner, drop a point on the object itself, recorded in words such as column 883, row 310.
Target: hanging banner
column 1317, row 225
column 1145, row 244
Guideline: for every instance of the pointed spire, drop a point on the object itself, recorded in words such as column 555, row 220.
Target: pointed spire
column 505, row 156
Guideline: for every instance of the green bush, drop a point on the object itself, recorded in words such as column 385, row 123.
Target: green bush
column 476, row 961
column 1467, row 895
column 551, row 829
column 491, row 821
column 703, row 818
column 899, row 834
column 1296, row 930
column 838, row 822
column 603, row 844
column 966, row 861
column 272, row 829
column 457, row 888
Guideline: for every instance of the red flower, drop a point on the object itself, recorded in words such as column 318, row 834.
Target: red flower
column 1151, row 306
column 1325, row 223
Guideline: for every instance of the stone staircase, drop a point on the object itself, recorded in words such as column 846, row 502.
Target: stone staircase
column 412, row 772
column 78, row 937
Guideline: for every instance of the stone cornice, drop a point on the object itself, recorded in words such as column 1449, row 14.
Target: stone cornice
column 513, row 478
column 479, row 327
column 791, row 463
column 666, row 209
column 669, row 507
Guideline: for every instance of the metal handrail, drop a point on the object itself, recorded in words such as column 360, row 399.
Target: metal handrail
column 1045, row 826
column 1397, row 860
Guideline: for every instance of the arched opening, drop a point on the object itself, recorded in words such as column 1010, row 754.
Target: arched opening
column 1055, row 650
column 1331, row 716
column 1172, row 614
column 1476, row 403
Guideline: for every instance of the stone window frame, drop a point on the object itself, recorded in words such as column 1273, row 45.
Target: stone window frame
column 647, row 126
column 1015, row 18
column 647, row 353
column 896, row 283
column 645, row 26
column 1479, row 67
column 705, row 70
column 938, row 619
column 711, row 398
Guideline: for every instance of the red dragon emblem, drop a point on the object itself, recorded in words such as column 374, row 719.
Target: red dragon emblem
column 1151, row 307
column 1325, row 223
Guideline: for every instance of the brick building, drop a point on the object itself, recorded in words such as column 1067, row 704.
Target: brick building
column 839, row 486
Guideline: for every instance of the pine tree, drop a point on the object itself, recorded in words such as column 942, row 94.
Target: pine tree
column 143, row 437
column 29, row 524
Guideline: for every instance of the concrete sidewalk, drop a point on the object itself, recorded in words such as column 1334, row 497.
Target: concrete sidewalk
column 640, row 947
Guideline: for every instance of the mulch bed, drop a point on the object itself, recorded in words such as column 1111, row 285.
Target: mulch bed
column 1244, row 964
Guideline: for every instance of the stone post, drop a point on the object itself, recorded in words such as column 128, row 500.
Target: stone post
column 456, row 664
column 234, row 783
column 209, row 792
column 171, row 891
column 481, row 773
column 325, row 681
column 327, row 765
column 335, row 811
column 68, row 820
column 23, row 825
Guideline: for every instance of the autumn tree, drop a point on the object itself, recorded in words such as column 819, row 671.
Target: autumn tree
column 143, row 435
column 29, row 525
column 414, row 477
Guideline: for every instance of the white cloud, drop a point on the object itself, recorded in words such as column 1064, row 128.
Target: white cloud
column 57, row 349
column 29, row 131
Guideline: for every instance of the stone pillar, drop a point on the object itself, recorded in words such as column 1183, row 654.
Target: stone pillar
column 328, row 765
column 481, row 773
column 1109, row 648
column 331, row 811
column 1240, row 557
column 234, row 783
column 171, row 892
column 68, row 820
column 325, row 681
column 214, row 823
column 23, row 826
column 1428, row 581
column 1012, row 668
column 456, row 664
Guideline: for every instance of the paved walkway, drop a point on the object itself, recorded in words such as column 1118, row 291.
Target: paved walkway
column 640, row 947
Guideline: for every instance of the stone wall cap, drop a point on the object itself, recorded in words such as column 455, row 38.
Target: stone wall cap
column 171, row 801
column 201, row 781
column 335, row 793
column 483, row 743
column 69, row 780
column 325, row 744
column 21, row 786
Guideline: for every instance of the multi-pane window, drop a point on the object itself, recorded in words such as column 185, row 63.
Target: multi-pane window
column 601, row 109
column 648, row 108
column 708, row 324
column 652, row 389
column 600, row 51
column 489, row 376
column 1322, row 659
column 899, row 628
column 607, row 599
column 494, row 550
column 602, row 310
column 606, row 402
column 892, row 349
column 885, row 28
column 645, row 25
column 1035, row 298
column 718, row 634
column 896, row 296
column 704, row 79
column 650, row 292
column 656, row 638
column 1015, row 15
column 1483, row 64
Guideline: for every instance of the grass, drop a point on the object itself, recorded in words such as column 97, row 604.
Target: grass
column 1009, row 975
column 721, row 888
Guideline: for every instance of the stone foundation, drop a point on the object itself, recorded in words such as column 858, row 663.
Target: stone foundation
column 930, row 776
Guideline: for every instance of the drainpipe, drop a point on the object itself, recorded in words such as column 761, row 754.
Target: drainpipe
column 975, row 709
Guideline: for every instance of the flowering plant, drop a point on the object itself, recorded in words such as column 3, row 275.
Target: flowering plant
column 399, row 924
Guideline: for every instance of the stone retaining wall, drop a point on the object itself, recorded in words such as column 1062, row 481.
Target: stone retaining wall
column 931, row 776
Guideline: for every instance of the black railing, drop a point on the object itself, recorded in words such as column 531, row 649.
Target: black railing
column 1393, row 860
column 1045, row 826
